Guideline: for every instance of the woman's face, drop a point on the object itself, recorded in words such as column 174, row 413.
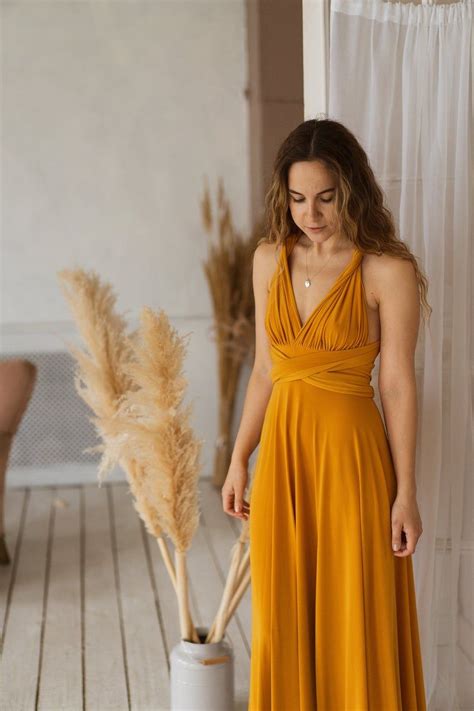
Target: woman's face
column 312, row 197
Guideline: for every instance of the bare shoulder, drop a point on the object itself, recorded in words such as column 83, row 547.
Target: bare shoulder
column 265, row 262
column 386, row 275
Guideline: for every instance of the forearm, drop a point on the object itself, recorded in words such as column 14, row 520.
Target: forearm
column 258, row 393
column 400, row 413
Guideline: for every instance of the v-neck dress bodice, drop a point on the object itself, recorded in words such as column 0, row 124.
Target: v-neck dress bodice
column 334, row 620
column 330, row 349
column 338, row 321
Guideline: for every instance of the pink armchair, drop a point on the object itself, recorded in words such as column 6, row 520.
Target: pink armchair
column 17, row 381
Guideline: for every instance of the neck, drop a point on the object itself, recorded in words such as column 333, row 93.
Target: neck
column 334, row 244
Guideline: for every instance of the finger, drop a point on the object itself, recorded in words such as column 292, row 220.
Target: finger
column 407, row 548
column 411, row 539
column 238, row 500
column 241, row 514
column 405, row 552
column 228, row 501
column 396, row 536
column 401, row 554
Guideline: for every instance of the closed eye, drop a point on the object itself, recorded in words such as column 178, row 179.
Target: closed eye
column 322, row 200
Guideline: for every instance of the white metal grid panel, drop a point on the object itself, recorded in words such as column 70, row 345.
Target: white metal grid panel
column 56, row 427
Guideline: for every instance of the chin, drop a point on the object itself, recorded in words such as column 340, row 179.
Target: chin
column 316, row 235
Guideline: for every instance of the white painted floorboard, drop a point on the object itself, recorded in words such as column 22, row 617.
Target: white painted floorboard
column 88, row 617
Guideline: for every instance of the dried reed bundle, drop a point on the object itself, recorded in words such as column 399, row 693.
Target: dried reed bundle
column 152, row 426
column 104, row 381
column 228, row 273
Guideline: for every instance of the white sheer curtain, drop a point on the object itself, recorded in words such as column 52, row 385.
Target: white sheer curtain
column 399, row 78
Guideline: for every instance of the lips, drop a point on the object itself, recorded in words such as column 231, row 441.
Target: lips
column 317, row 228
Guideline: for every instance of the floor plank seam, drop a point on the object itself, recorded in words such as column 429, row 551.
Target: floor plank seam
column 117, row 588
column 82, row 585
column 156, row 597
column 44, row 612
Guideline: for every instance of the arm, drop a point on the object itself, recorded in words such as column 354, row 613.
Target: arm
column 399, row 310
column 258, row 391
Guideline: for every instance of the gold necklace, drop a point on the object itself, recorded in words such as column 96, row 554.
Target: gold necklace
column 307, row 281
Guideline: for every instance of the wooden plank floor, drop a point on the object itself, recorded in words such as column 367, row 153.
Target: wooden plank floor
column 88, row 617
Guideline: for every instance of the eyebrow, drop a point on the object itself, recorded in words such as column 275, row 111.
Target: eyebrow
column 321, row 193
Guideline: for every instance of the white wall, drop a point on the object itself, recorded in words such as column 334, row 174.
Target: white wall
column 112, row 114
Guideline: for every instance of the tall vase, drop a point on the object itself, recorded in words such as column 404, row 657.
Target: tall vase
column 202, row 675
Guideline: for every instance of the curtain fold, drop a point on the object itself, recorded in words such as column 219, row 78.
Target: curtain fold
column 400, row 79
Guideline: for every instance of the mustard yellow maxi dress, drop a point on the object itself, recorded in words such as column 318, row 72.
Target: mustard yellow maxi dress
column 334, row 619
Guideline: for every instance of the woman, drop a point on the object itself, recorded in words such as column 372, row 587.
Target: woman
column 334, row 518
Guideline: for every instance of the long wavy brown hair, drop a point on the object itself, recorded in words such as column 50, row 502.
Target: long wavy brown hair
column 360, row 211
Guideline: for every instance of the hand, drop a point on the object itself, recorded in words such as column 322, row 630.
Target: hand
column 406, row 525
column 232, row 491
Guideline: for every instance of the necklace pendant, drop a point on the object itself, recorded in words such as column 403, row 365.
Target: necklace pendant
column 307, row 282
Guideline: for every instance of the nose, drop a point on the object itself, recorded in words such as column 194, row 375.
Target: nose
column 314, row 213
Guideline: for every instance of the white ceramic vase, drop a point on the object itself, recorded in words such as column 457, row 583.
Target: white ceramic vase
column 202, row 675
